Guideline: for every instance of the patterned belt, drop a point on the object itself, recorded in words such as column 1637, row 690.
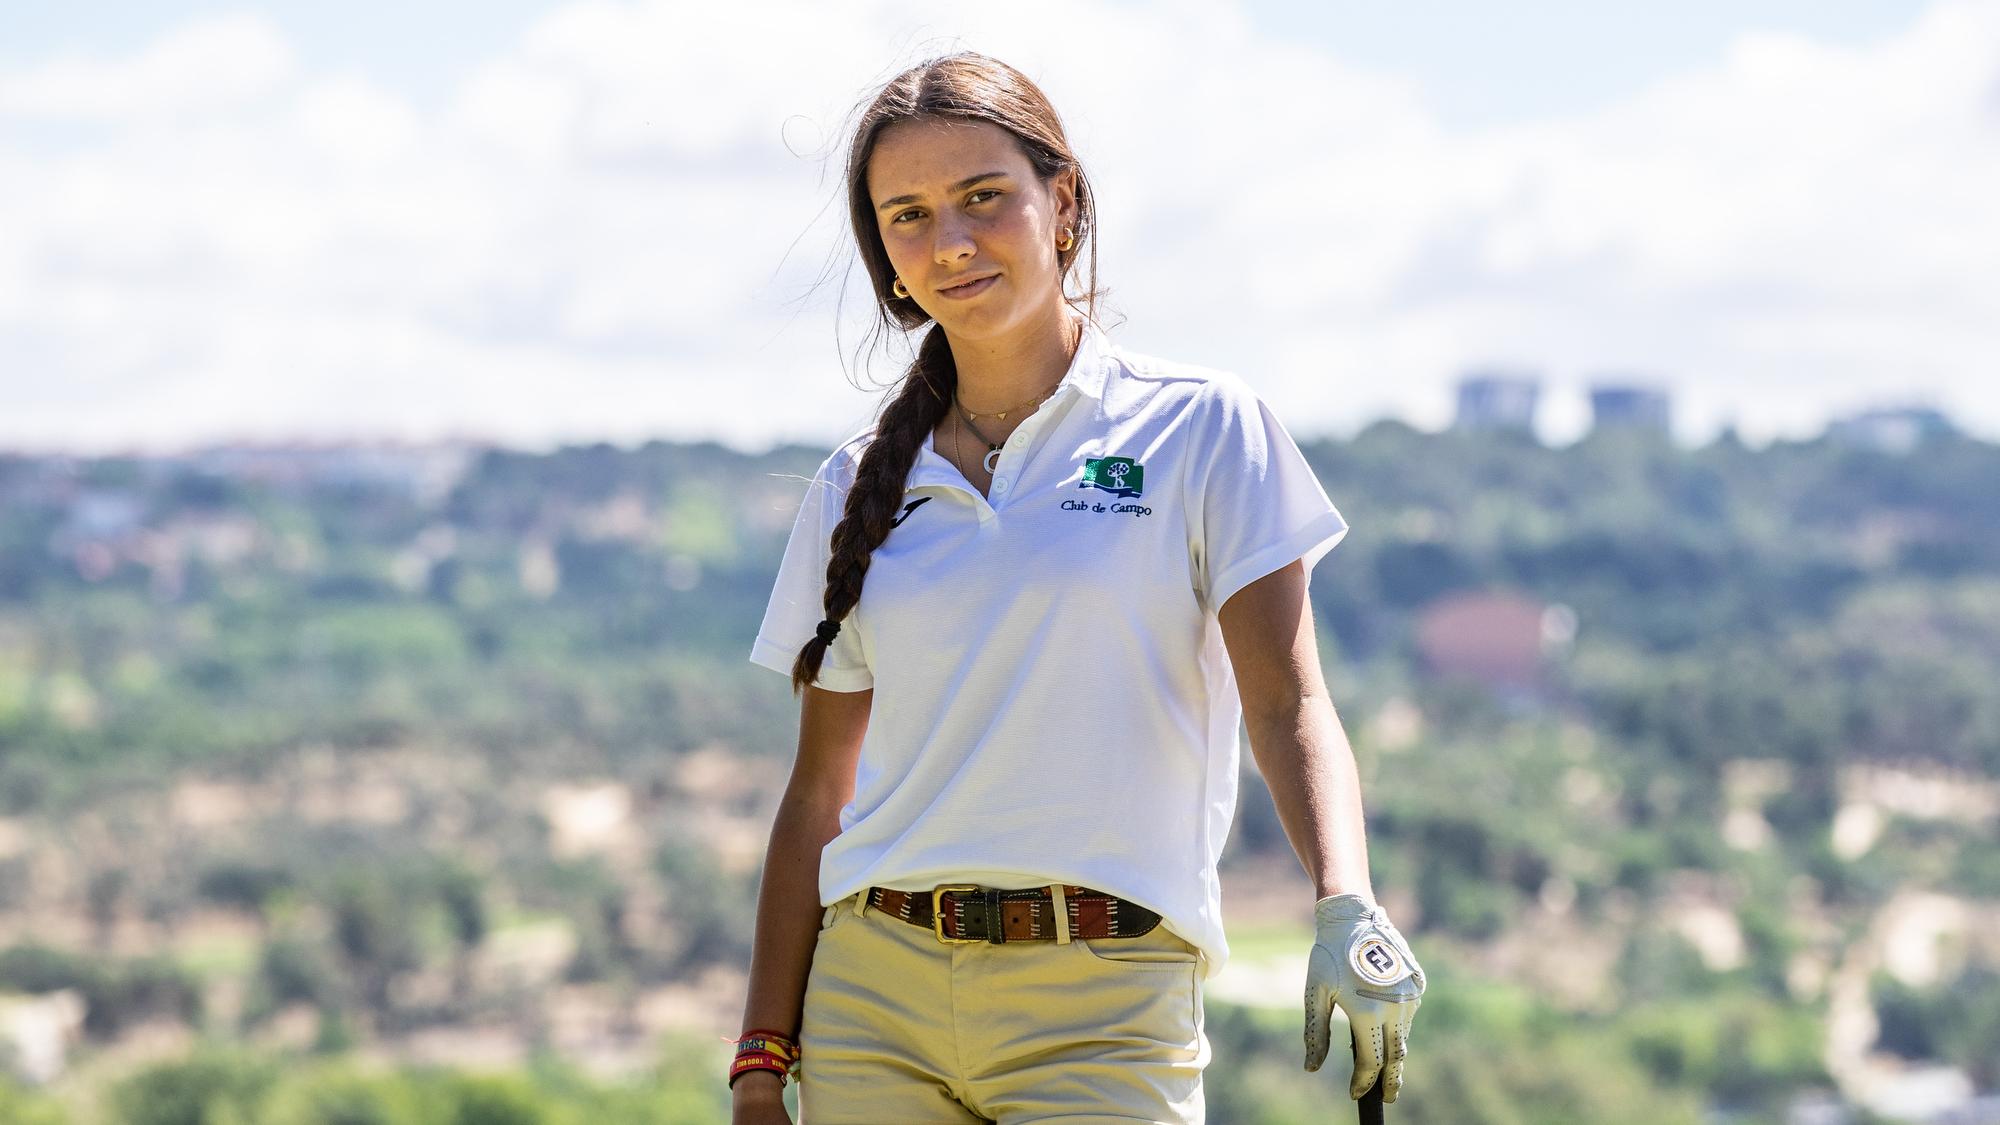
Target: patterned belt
column 966, row 912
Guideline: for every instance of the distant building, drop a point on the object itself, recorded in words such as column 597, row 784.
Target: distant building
column 1497, row 401
column 424, row 472
column 1891, row 430
column 1496, row 638
column 1627, row 406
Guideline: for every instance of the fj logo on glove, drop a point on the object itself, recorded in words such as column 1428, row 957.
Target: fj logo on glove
column 1376, row 961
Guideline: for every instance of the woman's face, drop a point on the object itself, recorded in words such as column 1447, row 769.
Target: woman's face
column 945, row 220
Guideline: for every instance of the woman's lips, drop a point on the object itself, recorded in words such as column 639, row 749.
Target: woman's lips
column 973, row 289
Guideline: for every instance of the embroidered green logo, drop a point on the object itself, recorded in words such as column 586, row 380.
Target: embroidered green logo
column 1120, row 476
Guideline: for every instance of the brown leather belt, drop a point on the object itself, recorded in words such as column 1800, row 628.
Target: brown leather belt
column 965, row 912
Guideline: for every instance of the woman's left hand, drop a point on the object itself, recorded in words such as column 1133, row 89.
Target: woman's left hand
column 1362, row 963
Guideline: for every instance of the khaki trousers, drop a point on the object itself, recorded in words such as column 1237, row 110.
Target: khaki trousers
column 902, row 1029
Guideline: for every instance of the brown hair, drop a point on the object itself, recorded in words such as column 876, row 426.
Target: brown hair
column 965, row 86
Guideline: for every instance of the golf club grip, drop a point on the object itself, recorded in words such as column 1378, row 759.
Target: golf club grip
column 1370, row 1105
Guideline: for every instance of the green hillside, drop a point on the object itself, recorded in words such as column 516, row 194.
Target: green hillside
column 334, row 796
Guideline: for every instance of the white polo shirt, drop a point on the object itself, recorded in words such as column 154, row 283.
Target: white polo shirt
column 1053, row 700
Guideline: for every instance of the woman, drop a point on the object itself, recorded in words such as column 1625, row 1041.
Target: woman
column 1027, row 608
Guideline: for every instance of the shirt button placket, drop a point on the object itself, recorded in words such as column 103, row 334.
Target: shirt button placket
column 1019, row 439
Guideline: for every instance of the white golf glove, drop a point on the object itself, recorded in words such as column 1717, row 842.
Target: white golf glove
column 1362, row 963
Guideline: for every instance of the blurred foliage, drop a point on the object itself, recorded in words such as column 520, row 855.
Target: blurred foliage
column 116, row 992
column 220, row 1085
column 1806, row 607
column 1956, row 1019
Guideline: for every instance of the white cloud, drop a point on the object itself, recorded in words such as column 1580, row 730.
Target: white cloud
column 615, row 228
column 358, row 126
column 211, row 65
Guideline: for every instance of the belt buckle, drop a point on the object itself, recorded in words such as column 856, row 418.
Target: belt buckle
column 937, row 912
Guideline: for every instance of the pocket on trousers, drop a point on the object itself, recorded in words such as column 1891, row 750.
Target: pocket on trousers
column 1158, row 948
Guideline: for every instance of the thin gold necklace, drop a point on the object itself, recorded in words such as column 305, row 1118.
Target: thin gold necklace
column 1000, row 414
column 993, row 447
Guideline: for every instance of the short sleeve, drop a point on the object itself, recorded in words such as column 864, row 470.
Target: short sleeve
column 1254, row 504
column 797, row 602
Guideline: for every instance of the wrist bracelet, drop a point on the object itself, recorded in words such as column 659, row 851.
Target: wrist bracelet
column 764, row 1049
column 778, row 1045
column 745, row 1063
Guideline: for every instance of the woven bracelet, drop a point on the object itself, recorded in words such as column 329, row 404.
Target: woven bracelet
column 758, row 1060
column 764, row 1049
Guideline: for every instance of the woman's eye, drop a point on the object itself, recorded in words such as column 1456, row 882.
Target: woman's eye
column 901, row 215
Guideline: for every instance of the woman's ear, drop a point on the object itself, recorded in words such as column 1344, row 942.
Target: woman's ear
column 1063, row 188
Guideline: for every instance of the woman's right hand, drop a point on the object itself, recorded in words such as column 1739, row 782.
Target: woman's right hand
column 758, row 1098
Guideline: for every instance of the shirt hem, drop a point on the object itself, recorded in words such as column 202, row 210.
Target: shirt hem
column 1213, row 955
column 1310, row 542
column 766, row 653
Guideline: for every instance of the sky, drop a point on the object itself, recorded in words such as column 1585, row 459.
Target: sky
column 547, row 223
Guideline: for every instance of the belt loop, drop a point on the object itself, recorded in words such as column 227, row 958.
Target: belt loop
column 1062, row 913
column 861, row 902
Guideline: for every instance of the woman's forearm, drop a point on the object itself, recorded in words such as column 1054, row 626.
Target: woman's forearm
column 1309, row 767
column 788, row 914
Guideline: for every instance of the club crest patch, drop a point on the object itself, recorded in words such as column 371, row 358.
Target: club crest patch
column 1376, row 961
column 1120, row 476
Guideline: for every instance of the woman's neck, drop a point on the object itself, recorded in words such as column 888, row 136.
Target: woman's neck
column 995, row 375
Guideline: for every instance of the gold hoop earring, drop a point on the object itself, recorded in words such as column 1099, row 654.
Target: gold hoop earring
column 897, row 288
column 1069, row 240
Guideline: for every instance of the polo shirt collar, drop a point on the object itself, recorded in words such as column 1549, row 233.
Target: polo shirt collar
column 1087, row 367
column 1088, row 370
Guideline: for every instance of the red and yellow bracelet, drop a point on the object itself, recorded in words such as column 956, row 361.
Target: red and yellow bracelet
column 763, row 1049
